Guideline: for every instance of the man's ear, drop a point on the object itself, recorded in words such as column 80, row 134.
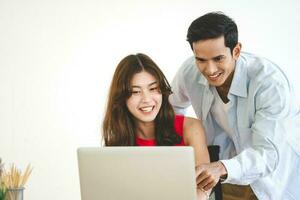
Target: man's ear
column 237, row 50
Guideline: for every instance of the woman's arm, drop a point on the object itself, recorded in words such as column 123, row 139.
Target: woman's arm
column 193, row 135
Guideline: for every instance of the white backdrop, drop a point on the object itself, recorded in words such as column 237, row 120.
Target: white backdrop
column 57, row 58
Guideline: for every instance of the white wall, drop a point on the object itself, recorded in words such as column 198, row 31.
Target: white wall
column 57, row 58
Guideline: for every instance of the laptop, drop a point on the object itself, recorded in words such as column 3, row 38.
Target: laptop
column 137, row 173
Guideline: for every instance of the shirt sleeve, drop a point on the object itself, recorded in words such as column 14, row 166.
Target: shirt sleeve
column 179, row 98
column 264, row 139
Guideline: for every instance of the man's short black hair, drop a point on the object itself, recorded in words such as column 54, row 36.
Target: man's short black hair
column 213, row 25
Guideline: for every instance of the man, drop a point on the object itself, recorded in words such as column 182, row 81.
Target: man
column 246, row 105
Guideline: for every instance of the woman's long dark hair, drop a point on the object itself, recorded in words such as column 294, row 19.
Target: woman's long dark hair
column 118, row 124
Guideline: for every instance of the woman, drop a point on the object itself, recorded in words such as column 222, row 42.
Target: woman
column 139, row 114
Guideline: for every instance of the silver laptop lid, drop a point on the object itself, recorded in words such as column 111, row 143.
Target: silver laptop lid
column 137, row 173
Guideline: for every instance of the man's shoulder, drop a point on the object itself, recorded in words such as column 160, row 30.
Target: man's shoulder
column 260, row 68
column 260, row 74
column 189, row 70
column 189, row 64
column 256, row 62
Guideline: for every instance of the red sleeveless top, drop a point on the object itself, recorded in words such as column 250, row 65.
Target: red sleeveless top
column 178, row 124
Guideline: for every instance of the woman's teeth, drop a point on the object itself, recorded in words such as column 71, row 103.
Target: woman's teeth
column 147, row 109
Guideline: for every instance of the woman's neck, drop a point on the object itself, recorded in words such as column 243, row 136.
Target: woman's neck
column 145, row 130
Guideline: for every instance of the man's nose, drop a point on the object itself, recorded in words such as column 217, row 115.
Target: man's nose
column 211, row 68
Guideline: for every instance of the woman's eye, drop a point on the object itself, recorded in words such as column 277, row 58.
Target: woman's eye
column 135, row 92
column 154, row 89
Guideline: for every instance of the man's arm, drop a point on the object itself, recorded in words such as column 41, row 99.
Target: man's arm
column 179, row 98
column 259, row 144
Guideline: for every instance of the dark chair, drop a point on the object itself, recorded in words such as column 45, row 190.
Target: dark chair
column 214, row 151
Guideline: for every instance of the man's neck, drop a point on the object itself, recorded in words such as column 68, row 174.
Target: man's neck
column 224, row 89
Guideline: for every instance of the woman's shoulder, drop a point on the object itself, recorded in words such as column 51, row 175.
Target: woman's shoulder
column 186, row 121
column 184, row 124
column 191, row 121
column 192, row 130
column 191, row 126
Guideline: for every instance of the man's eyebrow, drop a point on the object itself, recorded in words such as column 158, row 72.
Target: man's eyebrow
column 203, row 59
column 218, row 57
column 200, row 59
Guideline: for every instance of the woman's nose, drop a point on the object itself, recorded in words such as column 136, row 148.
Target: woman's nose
column 146, row 96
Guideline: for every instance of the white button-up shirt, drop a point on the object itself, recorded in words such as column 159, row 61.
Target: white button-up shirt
column 264, row 119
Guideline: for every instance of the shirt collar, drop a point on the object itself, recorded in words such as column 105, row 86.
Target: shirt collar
column 239, row 82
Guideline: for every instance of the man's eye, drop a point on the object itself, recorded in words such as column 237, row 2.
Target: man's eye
column 200, row 61
column 218, row 59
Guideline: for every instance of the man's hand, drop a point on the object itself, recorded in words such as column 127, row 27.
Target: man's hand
column 202, row 195
column 208, row 175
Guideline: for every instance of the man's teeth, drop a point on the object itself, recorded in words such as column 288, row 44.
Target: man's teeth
column 214, row 76
column 147, row 109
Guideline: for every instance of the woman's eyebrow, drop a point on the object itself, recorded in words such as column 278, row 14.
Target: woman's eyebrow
column 153, row 83
column 139, row 86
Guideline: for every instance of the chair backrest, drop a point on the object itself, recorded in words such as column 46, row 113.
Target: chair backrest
column 214, row 151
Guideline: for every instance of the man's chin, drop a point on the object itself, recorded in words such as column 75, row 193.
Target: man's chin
column 215, row 83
